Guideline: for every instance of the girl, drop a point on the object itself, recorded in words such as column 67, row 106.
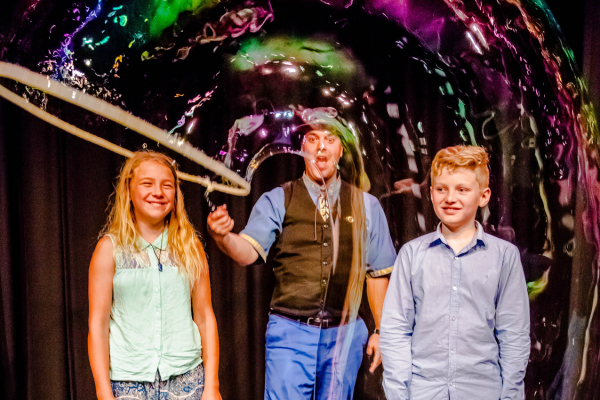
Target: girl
column 152, row 329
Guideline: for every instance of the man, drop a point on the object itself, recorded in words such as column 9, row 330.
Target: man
column 326, row 230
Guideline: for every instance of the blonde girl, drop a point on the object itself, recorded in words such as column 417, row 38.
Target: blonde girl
column 152, row 329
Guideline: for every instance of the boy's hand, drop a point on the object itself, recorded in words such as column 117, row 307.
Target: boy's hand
column 374, row 346
column 219, row 222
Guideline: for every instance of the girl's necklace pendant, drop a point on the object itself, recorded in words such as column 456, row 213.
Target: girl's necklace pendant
column 159, row 267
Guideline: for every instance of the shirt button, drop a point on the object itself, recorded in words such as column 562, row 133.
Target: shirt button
column 453, row 287
column 325, row 244
column 453, row 318
column 157, row 289
column 450, row 384
column 456, row 258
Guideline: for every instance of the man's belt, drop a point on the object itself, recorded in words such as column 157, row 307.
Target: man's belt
column 312, row 321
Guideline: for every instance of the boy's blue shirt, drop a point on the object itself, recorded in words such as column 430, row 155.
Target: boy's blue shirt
column 456, row 325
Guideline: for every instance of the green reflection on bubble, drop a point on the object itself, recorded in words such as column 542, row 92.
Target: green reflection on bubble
column 167, row 12
column 301, row 50
column 103, row 41
column 537, row 287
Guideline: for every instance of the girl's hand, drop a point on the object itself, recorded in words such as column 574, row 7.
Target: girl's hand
column 211, row 393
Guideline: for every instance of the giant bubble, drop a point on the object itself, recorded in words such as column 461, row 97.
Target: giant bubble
column 236, row 79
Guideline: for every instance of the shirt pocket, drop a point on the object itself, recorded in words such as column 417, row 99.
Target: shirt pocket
column 483, row 289
column 485, row 283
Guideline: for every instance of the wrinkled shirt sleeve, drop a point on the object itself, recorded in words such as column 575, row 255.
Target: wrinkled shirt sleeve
column 512, row 325
column 380, row 251
column 397, row 324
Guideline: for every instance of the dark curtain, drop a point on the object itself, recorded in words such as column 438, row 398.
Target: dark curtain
column 54, row 190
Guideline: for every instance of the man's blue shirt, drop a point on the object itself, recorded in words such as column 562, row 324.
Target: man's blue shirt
column 266, row 222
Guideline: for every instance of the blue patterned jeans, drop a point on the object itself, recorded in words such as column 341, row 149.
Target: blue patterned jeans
column 188, row 386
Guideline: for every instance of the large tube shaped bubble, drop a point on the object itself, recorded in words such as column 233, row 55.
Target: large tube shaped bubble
column 406, row 77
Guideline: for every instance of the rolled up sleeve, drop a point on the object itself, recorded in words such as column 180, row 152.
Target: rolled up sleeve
column 380, row 252
column 265, row 222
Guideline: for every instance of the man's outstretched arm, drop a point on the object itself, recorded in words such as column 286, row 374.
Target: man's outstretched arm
column 264, row 224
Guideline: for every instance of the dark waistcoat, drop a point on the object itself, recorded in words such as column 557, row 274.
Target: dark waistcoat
column 304, row 281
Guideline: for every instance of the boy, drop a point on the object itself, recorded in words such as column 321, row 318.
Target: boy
column 455, row 321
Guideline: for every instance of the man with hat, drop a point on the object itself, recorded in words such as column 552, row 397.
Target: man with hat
column 328, row 234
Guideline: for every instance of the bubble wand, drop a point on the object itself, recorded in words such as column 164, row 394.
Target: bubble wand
column 109, row 111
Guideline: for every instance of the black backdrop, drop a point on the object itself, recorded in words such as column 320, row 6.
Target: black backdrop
column 53, row 194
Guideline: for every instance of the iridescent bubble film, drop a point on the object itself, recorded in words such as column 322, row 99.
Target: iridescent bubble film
column 405, row 77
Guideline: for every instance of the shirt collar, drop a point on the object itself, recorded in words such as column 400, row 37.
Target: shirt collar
column 160, row 242
column 478, row 239
column 314, row 188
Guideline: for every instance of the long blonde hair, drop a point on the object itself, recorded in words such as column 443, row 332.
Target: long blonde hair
column 183, row 244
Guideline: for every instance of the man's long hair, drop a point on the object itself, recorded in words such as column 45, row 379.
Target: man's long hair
column 352, row 164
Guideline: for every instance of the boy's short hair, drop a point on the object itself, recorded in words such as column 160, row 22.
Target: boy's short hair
column 474, row 158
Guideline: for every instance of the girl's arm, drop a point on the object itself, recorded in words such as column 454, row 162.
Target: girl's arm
column 204, row 317
column 102, row 271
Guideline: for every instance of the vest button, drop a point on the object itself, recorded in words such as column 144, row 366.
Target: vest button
column 325, row 226
column 325, row 244
column 324, row 281
column 324, row 262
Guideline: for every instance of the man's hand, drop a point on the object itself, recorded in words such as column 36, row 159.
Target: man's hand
column 219, row 222
column 404, row 186
column 374, row 347
column 239, row 249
